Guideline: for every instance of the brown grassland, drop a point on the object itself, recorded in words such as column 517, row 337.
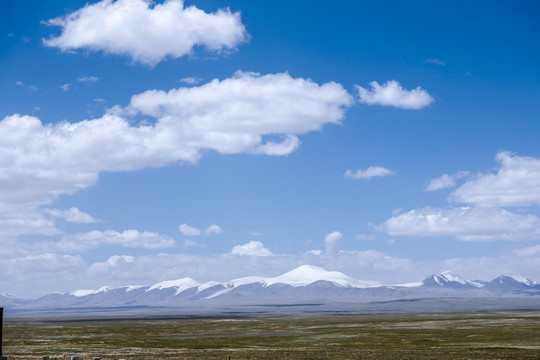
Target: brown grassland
column 480, row 335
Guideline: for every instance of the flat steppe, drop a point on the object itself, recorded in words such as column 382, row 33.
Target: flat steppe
column 472, row 335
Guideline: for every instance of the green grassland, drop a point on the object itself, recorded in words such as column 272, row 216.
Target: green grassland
column 488, row 335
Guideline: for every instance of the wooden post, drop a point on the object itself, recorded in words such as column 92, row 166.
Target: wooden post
column 1, row 326
column 1, row 338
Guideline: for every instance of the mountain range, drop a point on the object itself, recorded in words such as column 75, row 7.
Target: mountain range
column 303, row 285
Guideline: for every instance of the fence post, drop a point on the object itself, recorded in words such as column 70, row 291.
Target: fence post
column 1, row 326
column 1, row 338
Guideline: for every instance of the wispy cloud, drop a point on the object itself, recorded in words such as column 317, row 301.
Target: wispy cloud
column 188, row 230
column 191, row 80
column 88, row 79
column 445, row 181
column 370, row 172
column 65, row 87
column 435, row 61
column 72, row 215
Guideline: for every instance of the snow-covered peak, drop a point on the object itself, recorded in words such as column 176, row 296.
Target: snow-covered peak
column 133, row 287
column 180, row 285
column 103, row 289
column 515, row 280
column 523, row 280
column 447, row 279
column 207, row 285
column 303, row 276
column 448, row 276
column 82, row 292
column 307, row 274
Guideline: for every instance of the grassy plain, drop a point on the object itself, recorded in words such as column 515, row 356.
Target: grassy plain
column 488, row 335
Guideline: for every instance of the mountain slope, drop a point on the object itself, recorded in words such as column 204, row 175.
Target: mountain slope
column 305, row 284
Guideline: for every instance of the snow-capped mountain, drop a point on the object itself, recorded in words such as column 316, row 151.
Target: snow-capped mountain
column 505, row 283
column 305, row 284
column 447, row 279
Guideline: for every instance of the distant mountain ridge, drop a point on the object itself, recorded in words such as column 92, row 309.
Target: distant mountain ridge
column 305, row 283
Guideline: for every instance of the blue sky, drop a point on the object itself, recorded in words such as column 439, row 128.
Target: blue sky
column 142, row 142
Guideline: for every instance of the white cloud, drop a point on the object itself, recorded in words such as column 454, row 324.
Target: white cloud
column 40, row 162
column 465, row 223
column 31, row 87
column 191, row 80
column 252, row 248
column 72, row 215
column 117, row 259
column 147, row 32
column 332, row 241
column 65, row 87
column 191, row 243
column 93, row 239
column 528, row 251
column 187, row 230
column 213, row 229
column 516, row 183
column 365, row 237
column 435, row 61
column 41, row 266
column 445, row 181
column 368, row 173
column 232, row 115
column 392, row 94
column 88, row 79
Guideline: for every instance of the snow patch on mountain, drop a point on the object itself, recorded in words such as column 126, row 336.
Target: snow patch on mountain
column 524, row 280
column 180, row 285
column 82, row 292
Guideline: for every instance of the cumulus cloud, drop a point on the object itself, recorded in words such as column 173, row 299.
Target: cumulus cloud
column 242, row 114
column 370, row 172
column 516, row 183
column 187, row 230
column 252, row 248
column 445, row 181
column 72, row 215
column 465, row 223
column 232, row 115
column 147, row 32
column 392, row 94
column 332, row 241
